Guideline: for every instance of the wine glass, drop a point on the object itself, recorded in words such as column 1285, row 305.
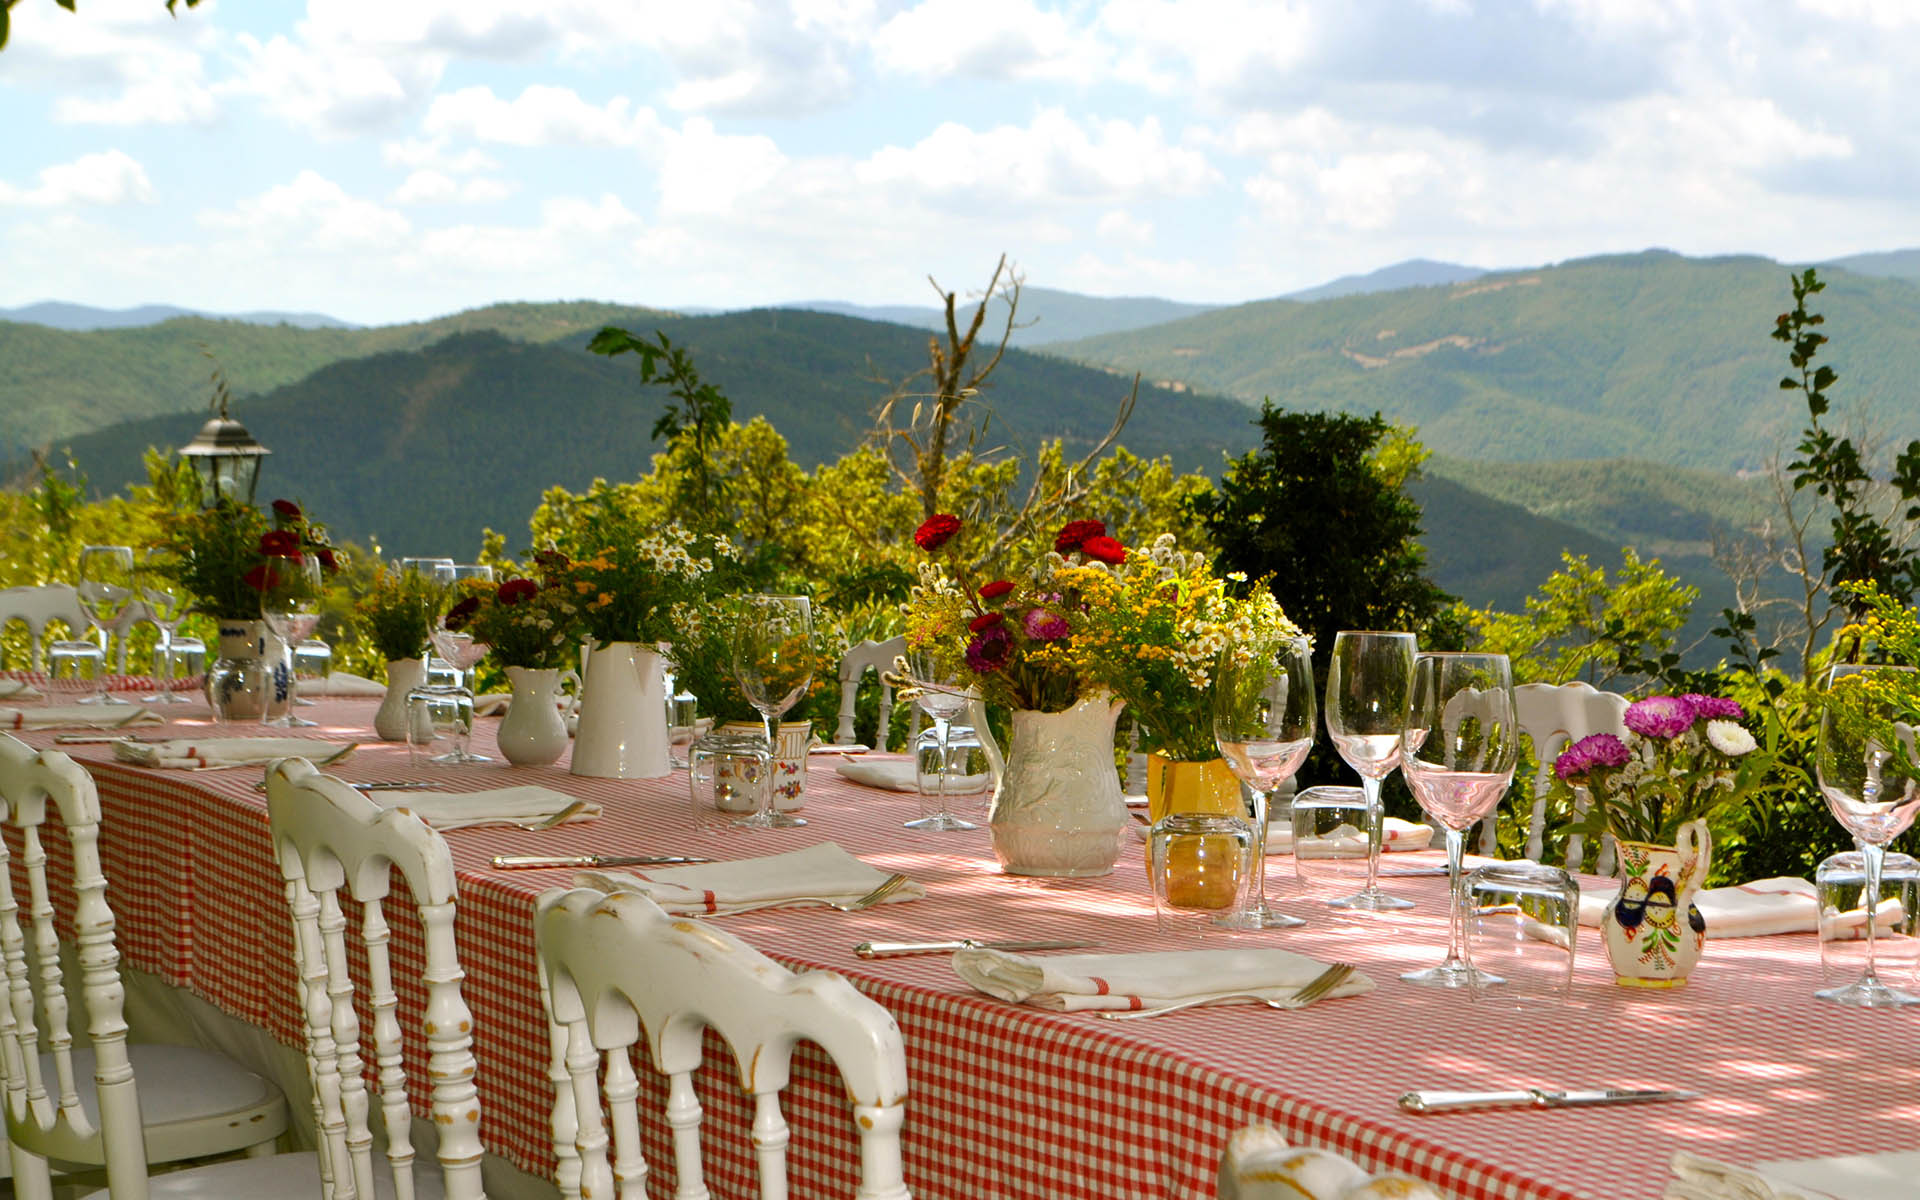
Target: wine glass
column 462, row 652
column 1458, row 750
column 1872, row 802
column 166, row 603
column 1368, row 681
column 773, row 662
column 290, row 605
column 106, row 588
column 938, row 692
column 450, row 575
column 1263, row 712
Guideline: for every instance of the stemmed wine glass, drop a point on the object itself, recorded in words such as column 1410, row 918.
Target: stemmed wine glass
column 166, row 602
column 106, row 588
column 290, row 605
column 460, row 650
column 1368, row 683
column 1458, row 750
column 1871, row 802
column 1263, row 713
column 773, row 662
column 938, row 692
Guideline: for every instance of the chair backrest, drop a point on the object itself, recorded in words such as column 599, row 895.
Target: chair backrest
column 122, row 631
column 37, row 607
column 44, row 1117
column 856, row 662
column 330, row 839
column 1554, row 715
column 614, row 967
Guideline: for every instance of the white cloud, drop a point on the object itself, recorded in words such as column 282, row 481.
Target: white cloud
column 1120, row 226
column 107, row 178
column 121, row 62
column 988, row 39
column 539, row 116
column 432, row 153
column 311, row 215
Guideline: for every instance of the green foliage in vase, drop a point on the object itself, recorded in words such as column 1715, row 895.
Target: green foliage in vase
column 394, row 612
column 225, row 555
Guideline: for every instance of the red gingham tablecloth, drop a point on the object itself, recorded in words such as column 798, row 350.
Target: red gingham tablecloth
column 1011, row 1102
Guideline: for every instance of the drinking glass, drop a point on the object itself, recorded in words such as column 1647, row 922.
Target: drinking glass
column 1201, row 867
column 773, row 661
column 1369, row 678
column 1841, row 884
column 106, row 588
column 312, row 663
column 290, row 605
column 166, row 603
column 967, row 786
column 1330, row 829
column 938, row 692
column 1872, row 801
column 439, row 724
column 1523, row 925
column 458, row 649
column 1263, row 713
column 727, row 774
column 1458, row 750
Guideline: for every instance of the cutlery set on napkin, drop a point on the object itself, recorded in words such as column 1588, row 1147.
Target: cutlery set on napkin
column 77, row 716
column 227, row 752
column 823, row 875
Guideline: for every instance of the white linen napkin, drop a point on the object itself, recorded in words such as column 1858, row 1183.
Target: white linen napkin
column 797, row 878
column 343, row 683
column 222, row 752
column 18, row 689
column 896, row 775
column 1395, row 834
column 1885, row 1176
column 502, row 806
column 1082, row 982
column 1696, row 1178
column 492, row 704
column 76, row 716
column 1765, row 906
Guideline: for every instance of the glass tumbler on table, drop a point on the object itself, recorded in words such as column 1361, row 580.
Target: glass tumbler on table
column 937, row 690
column 1201, row 866
column 1369, row 681
column 439, row 723
column 1523, row 927
column 312, row 663
column 1263, row 715
column 1331, row 831
column 773, row 660
column 106, row 589
column 1856, row 764
column 729, row 778
column 1458, row 750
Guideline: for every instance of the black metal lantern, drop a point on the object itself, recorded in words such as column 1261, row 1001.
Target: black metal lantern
column 226, row 458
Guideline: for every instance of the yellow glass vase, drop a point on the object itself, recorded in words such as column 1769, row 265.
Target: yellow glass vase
column 1204, row 870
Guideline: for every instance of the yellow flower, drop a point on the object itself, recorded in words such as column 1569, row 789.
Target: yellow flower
column 582, row 586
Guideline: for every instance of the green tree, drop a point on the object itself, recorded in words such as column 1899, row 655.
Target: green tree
column 1583, row 624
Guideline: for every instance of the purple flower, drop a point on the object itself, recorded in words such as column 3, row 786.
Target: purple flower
column 1660, row 717
column 1597, row 750
column 1714, row 708
column 1044, row 626
column 990, row 650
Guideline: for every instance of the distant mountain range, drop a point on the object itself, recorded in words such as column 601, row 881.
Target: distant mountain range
column 1415, row 272
column 56, row 314
column 1892, row 264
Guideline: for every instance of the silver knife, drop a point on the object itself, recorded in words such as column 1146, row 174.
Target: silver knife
column 527, row 862
column 891, row 949
column 381, row 786
column 1436, row 1102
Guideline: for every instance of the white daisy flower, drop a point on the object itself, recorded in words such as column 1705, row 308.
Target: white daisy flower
column 1729, row 738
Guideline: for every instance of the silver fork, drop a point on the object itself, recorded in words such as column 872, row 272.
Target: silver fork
column 552, row 819
column 1315, row 988
column 888, row 887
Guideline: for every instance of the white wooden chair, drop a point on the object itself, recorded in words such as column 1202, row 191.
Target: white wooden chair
column 1259, row 1165
column 855, row 663
column 615, row 967
column 330, row 840
column 1554, row 715
column 75, row 1108
column 37, row 607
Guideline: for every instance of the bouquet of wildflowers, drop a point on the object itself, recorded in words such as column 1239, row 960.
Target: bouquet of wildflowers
column 628, row 589
column 396, row 611
column 1151, row 630
column 1683, row 759
column 226, row 555
column 524, row 623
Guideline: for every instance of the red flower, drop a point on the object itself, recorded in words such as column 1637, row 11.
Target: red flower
column 286, row 510
column 513, row 591
column 461, row 613
column 261, row 577
column 995, row 590
column 1105, row 549
column 280, row 543
column 328, row 562
column 1074, row 534
column 936, row 531
column 984, row 622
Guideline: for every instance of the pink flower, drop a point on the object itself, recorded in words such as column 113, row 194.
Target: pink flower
column 1660, row 717
column 1714, row 708
column 1597, row 750
column 990, row 651
column 1044, row 626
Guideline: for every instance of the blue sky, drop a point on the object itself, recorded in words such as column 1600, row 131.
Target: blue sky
column 401, row 159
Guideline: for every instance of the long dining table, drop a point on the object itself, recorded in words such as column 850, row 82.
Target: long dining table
column 1012, row 1101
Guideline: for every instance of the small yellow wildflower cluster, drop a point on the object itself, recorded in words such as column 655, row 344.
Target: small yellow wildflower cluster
column 631, row 588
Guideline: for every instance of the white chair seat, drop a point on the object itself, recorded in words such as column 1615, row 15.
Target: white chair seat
column 187, row 1096
column 273, row 1177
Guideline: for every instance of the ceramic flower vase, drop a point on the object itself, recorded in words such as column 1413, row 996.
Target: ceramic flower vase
column 622, row 730
column 390, row 719
column 249, row 680
column 534, row 733
column 1652, row 930
column 789, row 759
column 1057, row 807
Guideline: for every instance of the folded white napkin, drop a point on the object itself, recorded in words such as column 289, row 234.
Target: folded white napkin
column 1080, row 982
column 222, row 752
column 896, row 774
column 1888, row 1175
column 342, row 683
column 502, row 806
column 492, row 704
column 798, row 878
column 1696, row 1178
column 18, row 689
column 76, row 716
column 1757, row 909
column 1395, row 834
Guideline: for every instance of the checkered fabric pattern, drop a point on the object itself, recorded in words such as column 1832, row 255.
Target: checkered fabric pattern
column 1011, row 1102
